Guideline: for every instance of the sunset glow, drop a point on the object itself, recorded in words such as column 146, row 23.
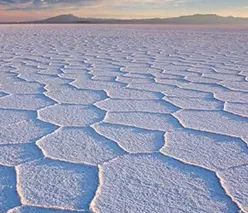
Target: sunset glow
column 26, row 10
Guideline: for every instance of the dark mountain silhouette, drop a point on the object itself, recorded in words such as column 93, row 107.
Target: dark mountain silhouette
column 206, row 19
column 197, row 19
column 61, row 19
column 192, row 19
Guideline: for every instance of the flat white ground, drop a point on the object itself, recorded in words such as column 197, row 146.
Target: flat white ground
column 123, row 119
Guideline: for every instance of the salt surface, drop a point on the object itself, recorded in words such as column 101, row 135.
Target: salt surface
column 109, row 119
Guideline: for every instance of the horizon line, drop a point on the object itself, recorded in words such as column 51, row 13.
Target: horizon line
column 126, row 19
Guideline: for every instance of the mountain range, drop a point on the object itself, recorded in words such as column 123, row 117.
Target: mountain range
column 197, row 19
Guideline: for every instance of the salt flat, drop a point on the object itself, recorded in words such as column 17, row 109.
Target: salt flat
column 123, row 119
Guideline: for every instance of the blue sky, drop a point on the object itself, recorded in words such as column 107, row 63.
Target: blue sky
column 20, row 10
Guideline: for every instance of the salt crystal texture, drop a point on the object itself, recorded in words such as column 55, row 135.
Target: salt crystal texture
column 123, row 119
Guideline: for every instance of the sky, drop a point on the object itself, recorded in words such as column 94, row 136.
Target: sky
column 28, row 10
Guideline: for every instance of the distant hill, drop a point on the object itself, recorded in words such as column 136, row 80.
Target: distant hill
column 197, row 19
column 206, row 19
column 61, row 19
